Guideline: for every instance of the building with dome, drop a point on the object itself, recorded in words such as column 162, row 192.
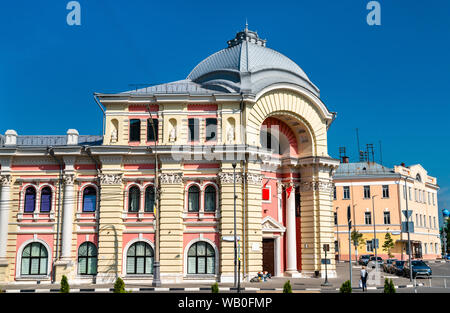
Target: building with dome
column 245, row 132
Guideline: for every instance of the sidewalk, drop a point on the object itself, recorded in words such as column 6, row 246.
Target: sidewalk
column 272, row 285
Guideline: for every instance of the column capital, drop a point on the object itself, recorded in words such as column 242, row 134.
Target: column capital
column 69, row 179
column 5, row 180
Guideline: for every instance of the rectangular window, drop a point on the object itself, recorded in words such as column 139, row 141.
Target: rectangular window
column 415, row 194
column 433, row 199
column 434, row 221
column 346, row 192
column 369, row 246
column 368, row 218
column 194, row 131
column 335, row 218
column 429, row 202
column 424, row 221
column 334, row 193
column 387, row 218
column 420, row 220
column 152, row 135
column 404, row 192
column 410, row 193
column 135, row 130
column 429, row 225
column 211, row 129
column 366, row 192
column 385, row 191
column 417, row 219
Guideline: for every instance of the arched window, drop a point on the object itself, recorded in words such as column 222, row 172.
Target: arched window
column 418, row 178
column 134, row 195
column 46, row 199
column 201, row 258
column 149, row 199
column 89, row 199
column 30, row 200
column 210, row 199
column 87, row 259
column 193, row 199
column 34, row 259
column 140, row 258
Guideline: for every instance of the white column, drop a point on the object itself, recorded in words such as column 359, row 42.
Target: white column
column 291, row 237
column 5, row 199
column 67, row 222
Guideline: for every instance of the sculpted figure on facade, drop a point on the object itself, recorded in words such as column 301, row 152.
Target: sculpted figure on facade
column 114, row 136
column 173, row 135
column 5, row 180
column 111, row 179
column 171, row 178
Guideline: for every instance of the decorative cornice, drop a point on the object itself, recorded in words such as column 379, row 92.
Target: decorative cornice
column 5, row 180
column 111, row 179
column 171, row 178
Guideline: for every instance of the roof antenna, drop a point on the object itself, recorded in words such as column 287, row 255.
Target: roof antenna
column 246, row 25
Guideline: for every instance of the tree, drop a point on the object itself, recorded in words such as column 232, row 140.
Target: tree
column 215, row 288
column 287, row 288
column 388, row 244
column 65, row 288
column 346, row 287
column 389, row 286
column 358, row 240
column 119, row 286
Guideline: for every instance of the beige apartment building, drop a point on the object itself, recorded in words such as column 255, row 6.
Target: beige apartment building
column 378, row 198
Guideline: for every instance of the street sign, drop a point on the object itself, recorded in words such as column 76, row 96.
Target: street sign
column 326, row 247
column 230, row 238
column 407, row 213
column 326, row 261
column 405, row 227
column 376, row 243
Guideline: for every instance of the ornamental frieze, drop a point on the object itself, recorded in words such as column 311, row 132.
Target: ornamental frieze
column 111, row 179
column 255, row 179
column 171, row 178
column 5, row 180
column 228, row 178
column 319, row 185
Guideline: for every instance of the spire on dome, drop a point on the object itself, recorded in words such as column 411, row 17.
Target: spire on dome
column 246, row 35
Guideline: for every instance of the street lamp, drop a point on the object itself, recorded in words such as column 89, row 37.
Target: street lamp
column 407, row 229
column 235, row 237
column 375, row 234
column 337, row 235
column 156, row 266
column 446, row 215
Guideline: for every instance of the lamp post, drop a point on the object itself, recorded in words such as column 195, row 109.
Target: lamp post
column 349, row 219
column 407, row 229
column 235, row 237
column 337, row 235
column 374, row 233
column 156, row 266
column 446, row 215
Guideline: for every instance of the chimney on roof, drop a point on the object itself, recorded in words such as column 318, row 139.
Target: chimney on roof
column 72, row 137
column 11, row 137
column 403, row 164
column 345, row 159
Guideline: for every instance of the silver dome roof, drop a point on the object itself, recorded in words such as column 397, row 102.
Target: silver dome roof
column 248, row 66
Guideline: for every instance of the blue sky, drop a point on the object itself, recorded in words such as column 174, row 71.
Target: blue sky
column 389, row 81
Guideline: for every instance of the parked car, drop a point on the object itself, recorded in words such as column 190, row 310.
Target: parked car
column 372, row 263
column 419, row 268
column 397, row 268
column 388, row 264
column 447, row 257
column 364, row 259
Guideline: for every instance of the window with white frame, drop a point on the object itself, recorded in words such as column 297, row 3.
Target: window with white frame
column 385, row 191
column 134, row 199
column 368, row 218
column 366, row 192
column 346, row 192
column 34, row 259
column 201, row 258
column 369, row 246
column 387, row 217
column 140, row 258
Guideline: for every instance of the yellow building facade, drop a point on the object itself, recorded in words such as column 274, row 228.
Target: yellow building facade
column 241, row 145
column 379, row 198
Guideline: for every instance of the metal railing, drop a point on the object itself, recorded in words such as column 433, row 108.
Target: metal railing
column 435, row 282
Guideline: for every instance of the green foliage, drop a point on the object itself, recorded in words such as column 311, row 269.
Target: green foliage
column 65, row 288
column 388, row 244
column 119, row 286
column 287, row 288
column 215, row 288
column 357, row 238
column 389, row 286
column 346, row 287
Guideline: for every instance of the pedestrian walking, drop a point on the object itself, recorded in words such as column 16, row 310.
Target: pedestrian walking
column 364, row 275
